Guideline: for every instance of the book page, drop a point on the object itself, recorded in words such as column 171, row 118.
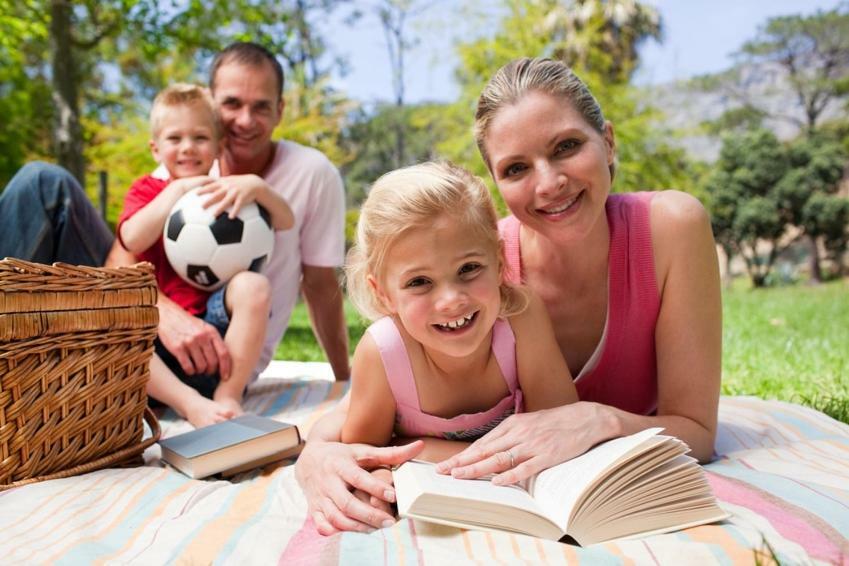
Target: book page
column 558, row 488
column 430, row 482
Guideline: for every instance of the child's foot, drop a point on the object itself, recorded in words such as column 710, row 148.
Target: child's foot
column 201, row 411
column 233, row 405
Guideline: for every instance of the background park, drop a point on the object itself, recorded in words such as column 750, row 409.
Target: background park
column 763, row 142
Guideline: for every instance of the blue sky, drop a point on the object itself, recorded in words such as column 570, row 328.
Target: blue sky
column 700, row 36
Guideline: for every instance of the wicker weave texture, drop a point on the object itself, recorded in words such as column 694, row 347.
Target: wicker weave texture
column 75, row 346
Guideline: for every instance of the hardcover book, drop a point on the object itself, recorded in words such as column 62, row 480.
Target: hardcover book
column 230, row 446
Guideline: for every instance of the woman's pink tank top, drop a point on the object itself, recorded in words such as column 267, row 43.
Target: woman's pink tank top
column 625, row 375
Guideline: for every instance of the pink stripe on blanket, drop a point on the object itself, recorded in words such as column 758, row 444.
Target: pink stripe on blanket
column 309, row 547
column 791, row 522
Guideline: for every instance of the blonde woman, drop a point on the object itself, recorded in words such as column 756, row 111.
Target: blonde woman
column 630, row 282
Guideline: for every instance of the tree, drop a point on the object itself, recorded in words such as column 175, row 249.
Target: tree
column 805, row 55
column 602, row 36
column 646, row 159
column 761, row 188
column 744, row 212
column 109, row 57
column 813, row 51
column 827, row 217
column 807, row 191
column 365, row 136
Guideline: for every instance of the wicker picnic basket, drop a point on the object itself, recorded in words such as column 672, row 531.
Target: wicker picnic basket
column 75, row 347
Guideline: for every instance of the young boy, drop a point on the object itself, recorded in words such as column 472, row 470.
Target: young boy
column 186, row 139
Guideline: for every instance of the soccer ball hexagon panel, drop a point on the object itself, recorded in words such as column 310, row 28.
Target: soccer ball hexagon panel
column 207, row 251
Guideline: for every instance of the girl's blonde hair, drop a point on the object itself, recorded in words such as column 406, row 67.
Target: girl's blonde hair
column 412, row 198
column 522, row 76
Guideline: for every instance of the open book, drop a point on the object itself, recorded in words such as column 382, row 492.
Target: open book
column 635, row 485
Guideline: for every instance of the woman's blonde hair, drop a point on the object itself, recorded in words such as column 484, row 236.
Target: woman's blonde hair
column 412, row 198
column 522, row 76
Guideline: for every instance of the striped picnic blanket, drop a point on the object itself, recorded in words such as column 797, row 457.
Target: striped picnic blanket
column 782, row 473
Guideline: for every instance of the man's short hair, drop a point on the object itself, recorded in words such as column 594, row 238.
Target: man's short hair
column 247, row 53
column 183, row 94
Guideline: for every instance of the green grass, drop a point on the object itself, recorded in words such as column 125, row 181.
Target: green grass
column 789, row 343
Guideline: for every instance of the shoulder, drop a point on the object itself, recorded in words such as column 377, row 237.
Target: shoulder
column 676, row 208
column 307, row 158
column 367, row 365
column 145, row 188
column 680, row 230
column 677, row 217
column 148, row 182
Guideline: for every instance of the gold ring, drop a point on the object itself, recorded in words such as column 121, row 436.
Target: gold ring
column 512, row 462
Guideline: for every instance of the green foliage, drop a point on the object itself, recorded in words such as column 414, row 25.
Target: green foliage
column 121, row 149
column 124, row 51
column 740, row 119
column 584, row 34
column 813, row 50
column 366, row 136
column 24, row 98
column 760, row 188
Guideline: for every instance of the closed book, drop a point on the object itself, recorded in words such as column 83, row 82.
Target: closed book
column 229, row 445
column 627, row 487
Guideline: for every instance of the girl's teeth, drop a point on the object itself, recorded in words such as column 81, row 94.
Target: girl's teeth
column 459, row 323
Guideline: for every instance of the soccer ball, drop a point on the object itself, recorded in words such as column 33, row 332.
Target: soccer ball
column 208, row 251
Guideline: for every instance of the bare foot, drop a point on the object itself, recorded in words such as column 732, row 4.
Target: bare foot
column 233, row 405
column 201, row 411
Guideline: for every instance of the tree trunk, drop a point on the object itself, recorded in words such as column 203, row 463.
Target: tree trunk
column 67, row 135
column 729, row 255
column 816, row 269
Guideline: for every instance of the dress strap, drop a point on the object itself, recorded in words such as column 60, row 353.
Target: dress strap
column 396, row 362
column 504, row 348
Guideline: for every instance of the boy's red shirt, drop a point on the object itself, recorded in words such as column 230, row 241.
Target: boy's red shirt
column 144, row 190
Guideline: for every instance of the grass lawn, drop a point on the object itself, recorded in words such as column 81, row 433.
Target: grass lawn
column 789, row 343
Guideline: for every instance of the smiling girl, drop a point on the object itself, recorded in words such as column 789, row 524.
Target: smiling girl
column 455, row 349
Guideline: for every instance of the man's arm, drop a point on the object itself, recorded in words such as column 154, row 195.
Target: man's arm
column 323, row 296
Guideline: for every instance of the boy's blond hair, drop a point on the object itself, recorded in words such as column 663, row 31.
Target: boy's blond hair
column 412, row 198
column 183, row 94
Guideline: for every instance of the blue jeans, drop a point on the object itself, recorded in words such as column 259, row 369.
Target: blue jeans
column 45, row 216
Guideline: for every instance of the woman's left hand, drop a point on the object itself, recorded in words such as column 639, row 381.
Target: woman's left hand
column 527, row 443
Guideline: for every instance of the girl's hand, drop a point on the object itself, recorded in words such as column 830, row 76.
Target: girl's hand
column 527, row 443
column 232, row 192
column 383, row 475
column 329, row 472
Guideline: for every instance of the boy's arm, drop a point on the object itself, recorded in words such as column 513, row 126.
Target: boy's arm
column 235, row 191
column 141, row 230
column 543, row 374
column 371, row 408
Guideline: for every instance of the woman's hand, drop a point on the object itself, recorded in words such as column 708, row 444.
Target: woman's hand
column 527, row 443
column 329, row 472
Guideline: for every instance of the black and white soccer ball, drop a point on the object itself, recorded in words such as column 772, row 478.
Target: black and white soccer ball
column 208, row 251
